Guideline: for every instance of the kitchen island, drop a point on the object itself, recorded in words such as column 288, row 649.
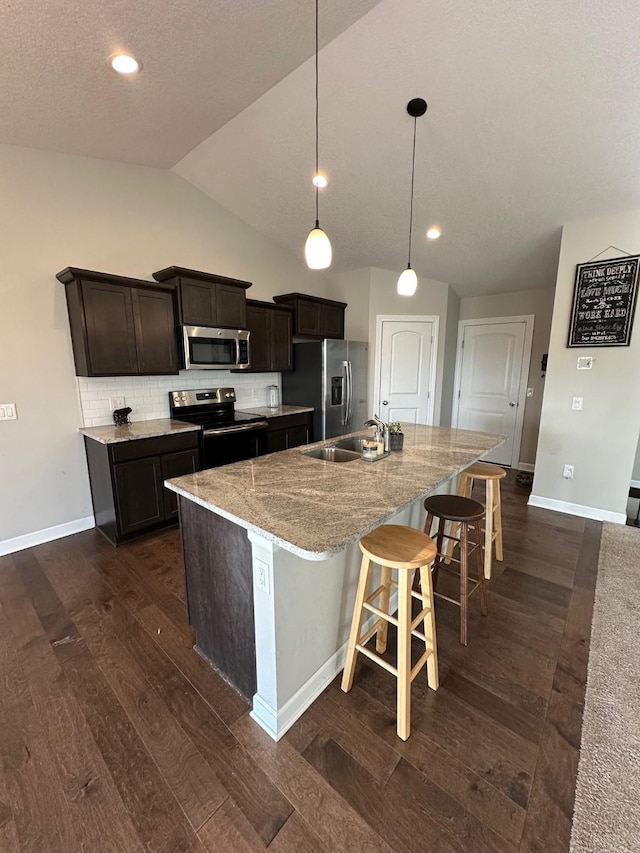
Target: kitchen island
column 272, row 560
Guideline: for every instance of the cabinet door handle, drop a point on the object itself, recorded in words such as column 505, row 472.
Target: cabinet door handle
column 286, row 441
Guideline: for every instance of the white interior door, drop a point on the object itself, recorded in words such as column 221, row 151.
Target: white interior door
column 491, row 377
column 407, row 370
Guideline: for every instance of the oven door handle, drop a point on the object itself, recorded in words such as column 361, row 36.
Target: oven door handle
column 241, row 428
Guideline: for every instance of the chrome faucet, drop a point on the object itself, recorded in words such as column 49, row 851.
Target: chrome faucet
column 382, row 431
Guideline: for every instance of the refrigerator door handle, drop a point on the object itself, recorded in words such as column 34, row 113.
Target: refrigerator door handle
column 349, row 393
column 345, row 393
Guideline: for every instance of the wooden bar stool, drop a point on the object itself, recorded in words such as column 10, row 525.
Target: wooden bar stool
column 491, row 474
column 393, row 546
column 465, row 513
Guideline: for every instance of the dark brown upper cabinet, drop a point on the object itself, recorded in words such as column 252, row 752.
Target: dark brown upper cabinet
column 120, row 326
column 205, row 299
column 271, row 341
column 314, row 317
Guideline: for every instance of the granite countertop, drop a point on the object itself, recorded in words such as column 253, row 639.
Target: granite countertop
column 315, row 509
column 277, row 411
column 111, row 434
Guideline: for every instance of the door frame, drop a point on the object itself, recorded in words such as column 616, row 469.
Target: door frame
column 408, row 318
column 528, row 320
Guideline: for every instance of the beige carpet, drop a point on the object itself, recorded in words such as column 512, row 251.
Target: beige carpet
column 607, row 809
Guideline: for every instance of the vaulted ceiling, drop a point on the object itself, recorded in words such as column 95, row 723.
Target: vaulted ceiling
column 533, row 117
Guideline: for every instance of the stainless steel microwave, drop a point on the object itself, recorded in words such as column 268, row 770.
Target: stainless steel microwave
column 205, row 348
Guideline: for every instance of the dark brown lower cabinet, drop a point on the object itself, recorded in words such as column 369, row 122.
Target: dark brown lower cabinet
column 289, row 431
column 127, row 482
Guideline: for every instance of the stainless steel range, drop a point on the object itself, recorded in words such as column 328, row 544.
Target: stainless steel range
column 226, row 435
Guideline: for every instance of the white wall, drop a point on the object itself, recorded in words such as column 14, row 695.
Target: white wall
column 354, row 288
column 429, row 299
column 450, row 349
column 539, row 303
column 636, row 465
column 372, row 292
column 56, row 211
column 601, row 440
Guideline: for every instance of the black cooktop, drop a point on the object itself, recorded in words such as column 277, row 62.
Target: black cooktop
column 216, row 419
column 209, row 408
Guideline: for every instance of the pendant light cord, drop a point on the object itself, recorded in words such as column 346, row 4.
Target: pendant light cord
column 413, row 172
column 317, row 188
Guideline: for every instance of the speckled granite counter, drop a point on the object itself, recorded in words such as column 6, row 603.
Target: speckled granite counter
column 278, row 411
column 111, row 434
column 250, row 532
column 315, row 509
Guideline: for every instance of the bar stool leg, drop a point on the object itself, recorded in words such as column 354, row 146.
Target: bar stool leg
column 429, row 627
column 383, row 630
column 465, row 488
column 356, row 625
column 439, row 541
column 404, row 655
column 464, row 582
column 488, row 528
column 498, row 521
column 484, row 609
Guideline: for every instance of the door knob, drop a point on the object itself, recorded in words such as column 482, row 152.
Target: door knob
column 385, row 402
column 512, row 404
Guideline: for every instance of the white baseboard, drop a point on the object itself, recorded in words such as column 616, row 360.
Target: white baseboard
column 635, row 484
column 525, row 466
column 578, row 509
column 277, row 722
column 28, row 540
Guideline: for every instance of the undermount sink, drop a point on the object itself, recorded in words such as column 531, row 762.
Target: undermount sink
column 332, row 454
column 353, row 444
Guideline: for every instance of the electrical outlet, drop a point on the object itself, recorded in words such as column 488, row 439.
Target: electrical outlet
column 262, row 575
column 529, row 392
column 116, row 403
column 576, row 405
column 585, row 362
column 568, row 472
column 8, row 412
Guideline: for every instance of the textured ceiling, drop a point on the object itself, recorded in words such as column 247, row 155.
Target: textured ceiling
column 533, row 120
column 533, row 117
column 204, row 62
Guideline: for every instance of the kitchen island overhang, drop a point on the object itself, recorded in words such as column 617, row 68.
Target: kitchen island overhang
column 272, row 559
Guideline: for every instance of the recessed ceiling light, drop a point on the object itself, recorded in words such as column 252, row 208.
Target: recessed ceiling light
column 319, row 181
column 434, row 232
column 125, row 64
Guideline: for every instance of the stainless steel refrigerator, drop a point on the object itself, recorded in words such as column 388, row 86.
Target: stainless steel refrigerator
column 331, row 376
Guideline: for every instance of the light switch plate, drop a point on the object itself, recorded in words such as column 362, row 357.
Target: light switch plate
column 585, row 362
column 568, row 472
column 116, row 403
column 8, row 412
column 576, row 404
column 529, row 392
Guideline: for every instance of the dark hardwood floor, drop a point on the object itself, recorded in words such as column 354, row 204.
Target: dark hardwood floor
column 116, row 736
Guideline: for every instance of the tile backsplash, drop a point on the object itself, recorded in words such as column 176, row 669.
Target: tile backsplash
column 148, row 396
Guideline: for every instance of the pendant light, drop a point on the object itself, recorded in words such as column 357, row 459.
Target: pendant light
column 317, row 249
column 408, row 280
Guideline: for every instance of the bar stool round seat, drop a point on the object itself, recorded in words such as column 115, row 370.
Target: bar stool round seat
column 454, row 508
column 465, row 513
column 405, row 549
column 491, row 475
column 399, row 547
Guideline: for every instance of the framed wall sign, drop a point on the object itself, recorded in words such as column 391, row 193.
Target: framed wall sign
column 604, row 301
